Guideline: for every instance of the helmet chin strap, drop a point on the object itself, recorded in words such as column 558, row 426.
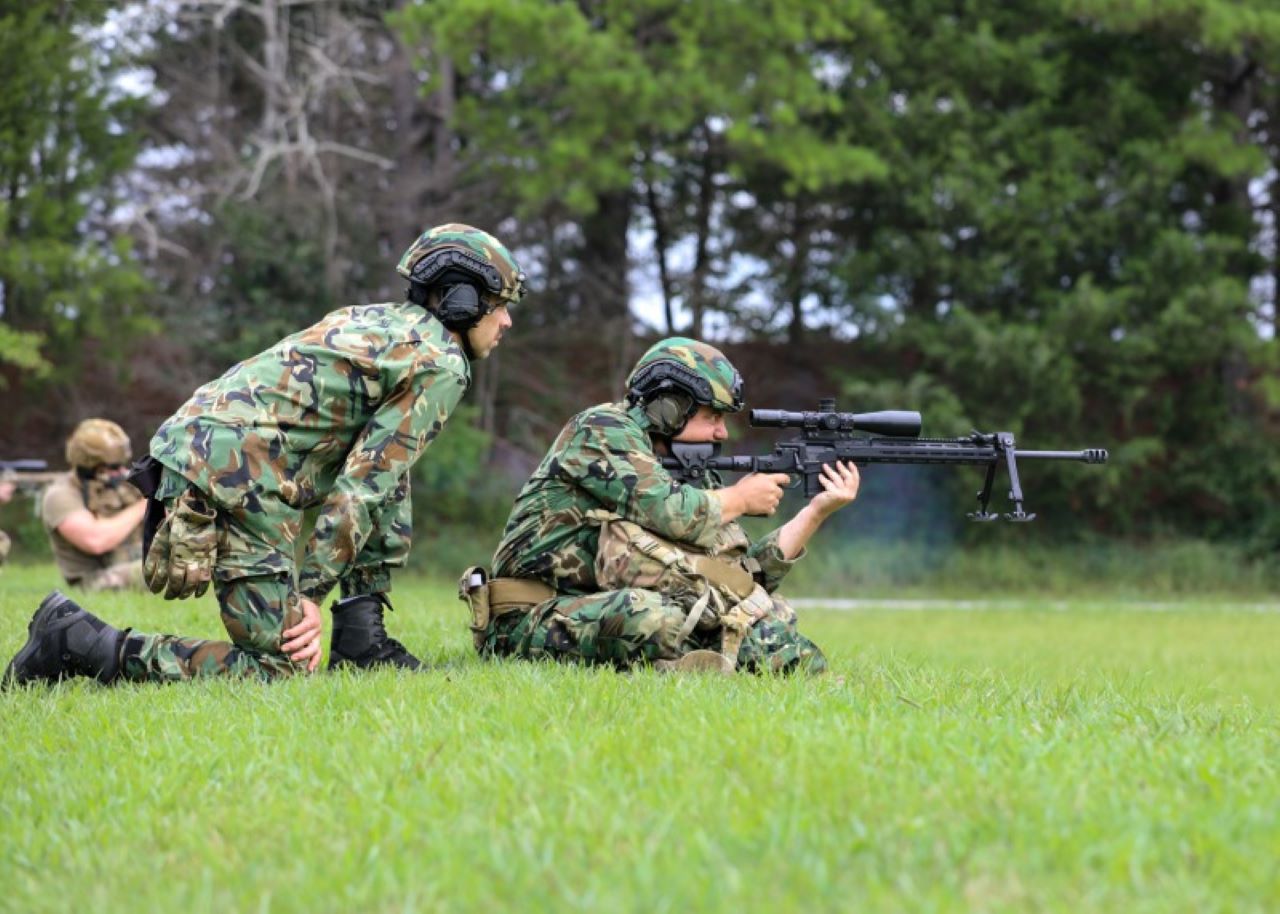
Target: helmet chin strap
column 464, row 337
column 420, row 295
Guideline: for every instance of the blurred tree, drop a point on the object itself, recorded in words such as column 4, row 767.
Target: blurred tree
column 1057, row 216
column 1066, row 244
column 65, row 139
column 292, row 162
column 591, row 114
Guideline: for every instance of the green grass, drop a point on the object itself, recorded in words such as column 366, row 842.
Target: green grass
column 1178, row 569
column 1097, row 758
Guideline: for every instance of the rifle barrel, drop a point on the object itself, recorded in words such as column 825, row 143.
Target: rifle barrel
column 1088, row 455
column 24, row 465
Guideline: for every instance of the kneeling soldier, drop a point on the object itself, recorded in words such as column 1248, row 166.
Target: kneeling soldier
column 331, row 417
column 607, row 559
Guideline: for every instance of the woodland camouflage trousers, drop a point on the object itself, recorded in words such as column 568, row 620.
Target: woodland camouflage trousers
column 623, row 628
column 254, row 581
column 255, row 611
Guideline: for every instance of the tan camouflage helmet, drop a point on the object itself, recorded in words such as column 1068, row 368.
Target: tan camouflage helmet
column 683, row 366
column 96, row 442
column 457, row 247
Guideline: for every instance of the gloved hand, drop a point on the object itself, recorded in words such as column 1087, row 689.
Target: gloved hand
column 180, row 562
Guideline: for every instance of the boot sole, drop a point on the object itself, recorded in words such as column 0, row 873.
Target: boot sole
column 343, row 663
column 46, row 609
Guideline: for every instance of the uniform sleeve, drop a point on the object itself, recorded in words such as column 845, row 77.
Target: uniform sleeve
column 772, row 566
column 60, row 501
column 406, row 422
column 613, row 461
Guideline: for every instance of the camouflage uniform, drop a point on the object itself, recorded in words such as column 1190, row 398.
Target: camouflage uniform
column 332, row 417
column 604, row 459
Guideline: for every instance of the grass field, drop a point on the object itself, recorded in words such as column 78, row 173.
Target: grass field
column 1101, row 757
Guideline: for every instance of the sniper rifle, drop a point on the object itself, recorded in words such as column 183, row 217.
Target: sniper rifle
column 889, row 436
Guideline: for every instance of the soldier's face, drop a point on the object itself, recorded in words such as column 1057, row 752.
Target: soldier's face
column 704, row 427
column 111, row 472
column 484, row 336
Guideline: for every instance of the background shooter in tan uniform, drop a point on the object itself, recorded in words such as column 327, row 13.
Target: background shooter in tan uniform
column 332, row 417
column 92, row 516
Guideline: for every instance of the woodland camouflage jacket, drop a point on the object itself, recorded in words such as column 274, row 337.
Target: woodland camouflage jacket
column 334, row 415
column 604, row 459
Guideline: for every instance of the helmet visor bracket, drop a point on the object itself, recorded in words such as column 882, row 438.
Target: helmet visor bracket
column 429, row 269
column 667, row 375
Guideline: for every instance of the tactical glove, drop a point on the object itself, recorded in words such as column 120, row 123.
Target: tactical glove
column 180, row 562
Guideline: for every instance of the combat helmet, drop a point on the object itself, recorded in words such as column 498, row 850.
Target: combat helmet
column 463, row 262
column 98, row 442
column 676, row 376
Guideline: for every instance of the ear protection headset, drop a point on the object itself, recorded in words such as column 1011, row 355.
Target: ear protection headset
column 461, row 277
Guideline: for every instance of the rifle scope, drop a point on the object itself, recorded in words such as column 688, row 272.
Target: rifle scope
column 899, row 423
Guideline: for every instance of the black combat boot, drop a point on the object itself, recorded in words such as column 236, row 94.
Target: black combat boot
column 65, row 641
column 359, row 638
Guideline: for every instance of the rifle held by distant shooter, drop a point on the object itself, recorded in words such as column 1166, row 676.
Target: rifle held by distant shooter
column 890, row 436
column 27, row 474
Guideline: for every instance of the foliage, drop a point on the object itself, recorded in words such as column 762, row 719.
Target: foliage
column 265, row 280
column 455, row 494
column 22, row 349
column 65, row 140
column 1055, row 217
column 574, row 108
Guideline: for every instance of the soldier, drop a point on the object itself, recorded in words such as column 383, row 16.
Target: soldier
column 607, row 559
column 334, row 417
column 7, row 488
column 92, row 516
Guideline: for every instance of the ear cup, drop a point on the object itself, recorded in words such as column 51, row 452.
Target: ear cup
column 669, row 412
column 459, row 307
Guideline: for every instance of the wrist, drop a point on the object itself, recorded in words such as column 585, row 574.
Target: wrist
column 731, row 503
column 816, row 514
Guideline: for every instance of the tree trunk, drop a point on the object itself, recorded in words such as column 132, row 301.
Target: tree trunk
column 660, row 251
column 603, row 290
column 796, row 274
column 702, row 258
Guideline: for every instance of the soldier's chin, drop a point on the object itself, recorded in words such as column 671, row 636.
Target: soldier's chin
column 483, row 352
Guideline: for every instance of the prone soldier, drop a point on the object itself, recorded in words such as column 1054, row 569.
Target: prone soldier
column 331, row 417
column 607, row 559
